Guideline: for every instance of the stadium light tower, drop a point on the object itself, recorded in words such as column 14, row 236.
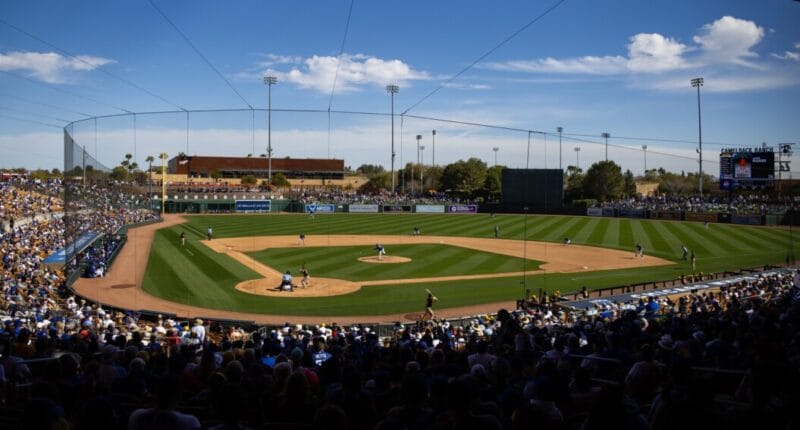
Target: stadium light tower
column 392, row 90
column 433, row 150
column 269, row 81
column 577, row 157
column 644, row 149
column 698, row 82
column 419, row 137
column 495, row 149
column 606, row 136
column 422, row 168
column 559, row 130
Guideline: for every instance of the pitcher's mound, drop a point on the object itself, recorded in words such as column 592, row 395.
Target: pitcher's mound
column 386, row 259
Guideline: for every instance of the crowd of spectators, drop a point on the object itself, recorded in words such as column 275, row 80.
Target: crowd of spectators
column 715, row 359
column 741, row 204
column 21, row 200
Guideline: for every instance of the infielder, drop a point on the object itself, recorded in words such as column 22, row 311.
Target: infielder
column 639, row 250
column 209, row 232
column 685, row 252
column 183, row 239
column 302, row 239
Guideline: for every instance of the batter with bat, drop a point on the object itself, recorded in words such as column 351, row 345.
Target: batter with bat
column 429, row 306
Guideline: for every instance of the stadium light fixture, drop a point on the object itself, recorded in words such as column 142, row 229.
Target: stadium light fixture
column 559, row 130
column 644, row 149
column 577, row 158
column 495, row 149
column 392, row 89
column 606, row 136
column 269, row 81
column 697, row 83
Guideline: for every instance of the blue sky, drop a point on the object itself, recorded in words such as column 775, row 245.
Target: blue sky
column 621, row 67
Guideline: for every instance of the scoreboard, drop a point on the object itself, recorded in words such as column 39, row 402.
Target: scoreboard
column 746, row 168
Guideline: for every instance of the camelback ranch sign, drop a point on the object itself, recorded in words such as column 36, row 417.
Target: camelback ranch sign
column 462, row 209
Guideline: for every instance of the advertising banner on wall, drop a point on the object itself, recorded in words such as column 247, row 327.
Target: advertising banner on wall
column 633, row 213
column 746, row 219
column 253, row 205
column 363, row 208
column 674, row 215
column 316, row 208
column 594, row 211
column 462, row 209
column 396, row 208
column 696, row 216
column 429, row 209
column 608, row 211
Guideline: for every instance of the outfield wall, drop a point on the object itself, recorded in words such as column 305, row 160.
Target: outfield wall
column 717, row 217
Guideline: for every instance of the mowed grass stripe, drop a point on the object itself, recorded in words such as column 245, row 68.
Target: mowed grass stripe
column 575, row 229
column 661, row 246
column 611, row 238
column 773, row 235
column 673, row 242
column 556, row 233
column 716, row 237
column 598, row 232
column 650, row 245
column 686, row 238
column 626, row 237
column 747, row 238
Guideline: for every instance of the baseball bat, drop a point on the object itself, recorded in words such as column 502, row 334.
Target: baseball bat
column 429, row 292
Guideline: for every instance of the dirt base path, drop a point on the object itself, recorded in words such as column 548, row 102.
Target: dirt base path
column 122, row 285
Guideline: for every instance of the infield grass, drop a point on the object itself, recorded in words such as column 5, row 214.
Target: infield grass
column 427, row 260
column 198, row 276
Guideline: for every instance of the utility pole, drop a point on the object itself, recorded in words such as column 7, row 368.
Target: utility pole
column 606, row 136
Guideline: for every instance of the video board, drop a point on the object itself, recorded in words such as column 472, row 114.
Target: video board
column 746, row 168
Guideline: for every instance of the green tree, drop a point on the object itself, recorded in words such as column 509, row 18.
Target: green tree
column 370, row 169
column 433, row 177
column 119, row 173
column 629, row 184
column 573, row 183
column 464, row 177
column 377, row 183
column 604, row 181
column 493, row 185
column 215, row 175
column 246, row 179
column 279, row 180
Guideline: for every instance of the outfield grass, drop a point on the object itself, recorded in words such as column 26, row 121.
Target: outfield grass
column 427, row 260
column 207, row 278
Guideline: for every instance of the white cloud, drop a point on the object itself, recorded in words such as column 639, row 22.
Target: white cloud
column 49, row 67
column 582, row 65
column 318, row 72
column 730, row 40
column 654, row 53
column 788, row 55
column 727, row 84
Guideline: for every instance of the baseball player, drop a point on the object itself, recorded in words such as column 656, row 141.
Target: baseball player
column 312, row 209
column 429, row 307
column 694, row 262
column 639, row 250
column 416, row 231
column 496, row 231
column 567, row 241
column 685, row 252
column 286, row 282
column 183, row 239
column 301, row 240
column 306, row 277
column 209, row 232
column 381, row 251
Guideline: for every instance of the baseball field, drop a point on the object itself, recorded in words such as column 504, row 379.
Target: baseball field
column 456, row 257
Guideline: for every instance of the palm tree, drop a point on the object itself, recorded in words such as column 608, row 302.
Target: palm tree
column 149, row 161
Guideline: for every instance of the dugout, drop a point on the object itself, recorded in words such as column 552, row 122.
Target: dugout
column 536, row 189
